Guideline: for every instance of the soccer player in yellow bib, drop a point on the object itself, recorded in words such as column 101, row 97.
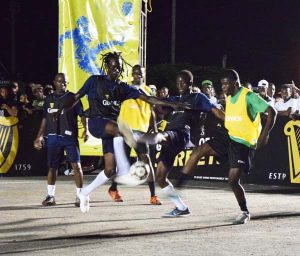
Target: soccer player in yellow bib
column 139, row 116
column 236, row 145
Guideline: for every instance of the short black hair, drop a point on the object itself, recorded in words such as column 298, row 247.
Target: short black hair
column 188, row 76
column 286, row 86
column 231, row 74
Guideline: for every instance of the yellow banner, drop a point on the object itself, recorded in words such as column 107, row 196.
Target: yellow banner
column 90, row 28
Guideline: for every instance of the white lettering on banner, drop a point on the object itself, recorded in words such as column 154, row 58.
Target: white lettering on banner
column 22, row 167
column 234, row 118
column 209, row 178
column 277, row 176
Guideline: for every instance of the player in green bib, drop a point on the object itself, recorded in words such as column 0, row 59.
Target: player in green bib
column 242, row 134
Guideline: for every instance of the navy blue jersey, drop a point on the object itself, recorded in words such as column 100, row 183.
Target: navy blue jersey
column 66, row 125
column 105, row 96
column 182, row 120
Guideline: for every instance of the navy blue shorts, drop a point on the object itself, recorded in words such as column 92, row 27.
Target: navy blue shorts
column 176, row 142
column 97, row 129
column 56, row 145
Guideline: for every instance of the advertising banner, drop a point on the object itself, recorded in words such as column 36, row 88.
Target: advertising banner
column 87, row 30
column 275, row 164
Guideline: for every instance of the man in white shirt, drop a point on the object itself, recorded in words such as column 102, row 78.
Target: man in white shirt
column 288, row 105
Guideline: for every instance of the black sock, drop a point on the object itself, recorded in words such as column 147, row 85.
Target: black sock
column 243, row 206
column 113, row 186
column 181, row 180
column 151, row 185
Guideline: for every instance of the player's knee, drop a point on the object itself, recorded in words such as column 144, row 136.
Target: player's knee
column 77, row 168
column 109, row 172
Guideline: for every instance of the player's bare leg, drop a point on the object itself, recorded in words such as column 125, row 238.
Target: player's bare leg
column 78, row 177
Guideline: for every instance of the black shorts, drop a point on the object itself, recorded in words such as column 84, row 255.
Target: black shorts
column 142, row 148
column 177, row 142
column 237, row 154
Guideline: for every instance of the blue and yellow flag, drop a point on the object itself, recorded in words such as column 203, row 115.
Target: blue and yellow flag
column 88, row 29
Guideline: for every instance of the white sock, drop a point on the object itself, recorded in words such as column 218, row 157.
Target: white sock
column 150, row 138
column 96, row 183
column 120, row 155
column 51, row 190
column 78, row 191
column 169, row 190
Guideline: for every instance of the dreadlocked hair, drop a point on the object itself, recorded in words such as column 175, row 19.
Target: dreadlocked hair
column 105, row 58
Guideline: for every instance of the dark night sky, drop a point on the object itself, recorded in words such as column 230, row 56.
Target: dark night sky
column 260, row 37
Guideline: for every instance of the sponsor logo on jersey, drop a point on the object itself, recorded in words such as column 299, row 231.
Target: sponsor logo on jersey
column 233, row 118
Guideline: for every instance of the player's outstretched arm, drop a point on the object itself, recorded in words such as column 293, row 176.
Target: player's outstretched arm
column 218, row 113
column 156, row 101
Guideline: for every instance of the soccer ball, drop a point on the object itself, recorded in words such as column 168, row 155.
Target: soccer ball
column 139, row 170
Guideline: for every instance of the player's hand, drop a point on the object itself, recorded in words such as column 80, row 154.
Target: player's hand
column 4, row 106
column 38, row 143
column 85, row 135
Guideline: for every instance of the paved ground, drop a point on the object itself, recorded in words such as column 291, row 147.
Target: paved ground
column 136, row 228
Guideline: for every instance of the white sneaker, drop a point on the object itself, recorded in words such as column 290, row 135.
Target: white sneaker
column 243, row 218
column 84, row 203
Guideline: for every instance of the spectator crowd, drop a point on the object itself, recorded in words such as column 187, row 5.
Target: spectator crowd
column 27, row 100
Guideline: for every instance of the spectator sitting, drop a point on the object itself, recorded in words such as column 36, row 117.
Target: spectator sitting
column 163, row 93
column 209, row 91
column 222, row 100
column 262, row 87
column 25, row 104
column 48, row 90
column 8, row 107
column 15, row 90
column 271, row 90
column 153, row 89
column 288, row 105
column 39, row 98
column 195, row 89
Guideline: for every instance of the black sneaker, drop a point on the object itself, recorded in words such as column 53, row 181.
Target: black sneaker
column 77, row 201
column 49, row 201
column 177, row 213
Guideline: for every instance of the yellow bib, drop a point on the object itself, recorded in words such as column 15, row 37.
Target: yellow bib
column 136, row 113
column 240, row 127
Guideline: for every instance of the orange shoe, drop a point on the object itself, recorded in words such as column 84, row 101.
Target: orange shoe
column 116, row 197
column 154, row 200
